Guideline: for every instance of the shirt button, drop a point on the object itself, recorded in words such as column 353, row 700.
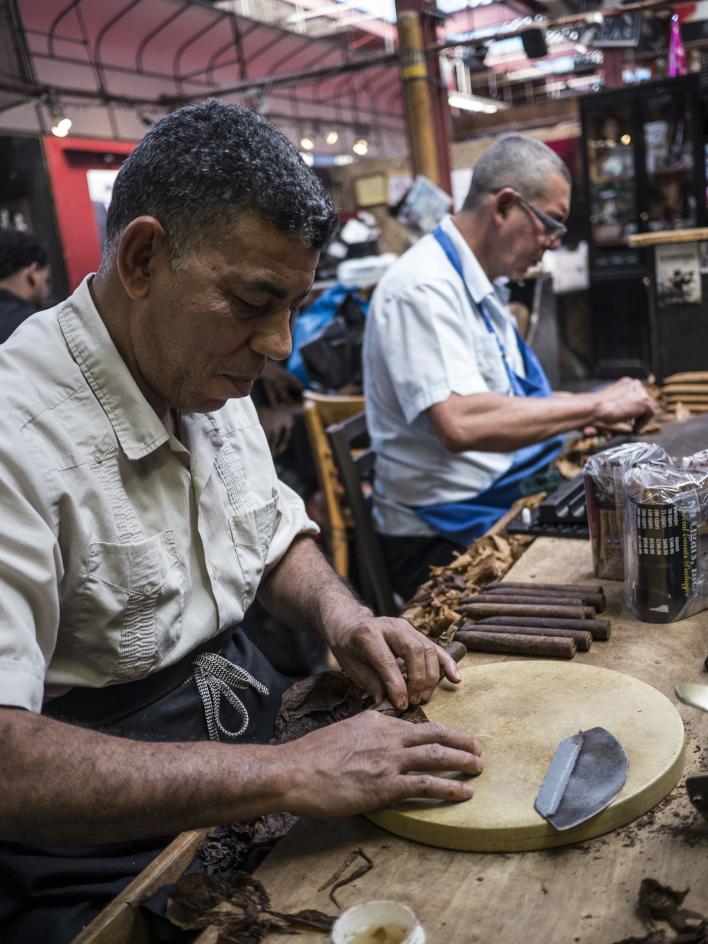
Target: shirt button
column 149, row 589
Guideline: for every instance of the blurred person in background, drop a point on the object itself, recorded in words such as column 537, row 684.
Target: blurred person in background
column 24, row 279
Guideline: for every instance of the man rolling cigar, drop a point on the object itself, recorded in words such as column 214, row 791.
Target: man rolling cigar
column 141, row 515
column 459, row 409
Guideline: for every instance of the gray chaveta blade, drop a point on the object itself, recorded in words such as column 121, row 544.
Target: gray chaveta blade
column 587, row 772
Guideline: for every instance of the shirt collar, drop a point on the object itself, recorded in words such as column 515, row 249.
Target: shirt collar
column 476, row 278
column 138, row 428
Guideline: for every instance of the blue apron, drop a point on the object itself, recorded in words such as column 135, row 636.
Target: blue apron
column 463, row 521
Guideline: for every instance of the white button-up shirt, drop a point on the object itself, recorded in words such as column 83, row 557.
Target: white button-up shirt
column 424, row 340
column 122, row 548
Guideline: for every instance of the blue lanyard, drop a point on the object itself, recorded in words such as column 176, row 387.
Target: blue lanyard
column 451, row 253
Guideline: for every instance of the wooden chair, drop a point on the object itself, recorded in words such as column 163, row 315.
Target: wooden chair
column 354, row 465
column 320, row 411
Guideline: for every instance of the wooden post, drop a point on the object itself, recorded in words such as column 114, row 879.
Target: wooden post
column 419, row 107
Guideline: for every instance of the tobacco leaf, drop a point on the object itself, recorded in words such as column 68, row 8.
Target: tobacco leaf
column 199, row 900
column 309, row 918
column 317, row 701
column 226, row 848
column 238, row 905
column 657, row 901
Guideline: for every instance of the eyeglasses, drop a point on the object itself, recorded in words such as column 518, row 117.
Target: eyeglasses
column 553, row 228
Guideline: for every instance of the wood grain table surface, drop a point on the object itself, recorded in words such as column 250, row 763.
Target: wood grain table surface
column 585, row 893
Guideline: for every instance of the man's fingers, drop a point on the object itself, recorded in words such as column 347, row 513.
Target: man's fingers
column 429, row 787
column 383, row 660
column 417, row 673
column 448, row 665
column 368, row 679
column 436, row 757
column 436, row 733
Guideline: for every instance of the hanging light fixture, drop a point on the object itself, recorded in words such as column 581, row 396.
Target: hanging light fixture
column 306, row 143
column 61, row 125
column 332, row 137
column 360, row 146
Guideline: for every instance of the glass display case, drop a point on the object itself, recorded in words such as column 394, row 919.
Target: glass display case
column 645, row 171
column 612, row 175
column 670, row 158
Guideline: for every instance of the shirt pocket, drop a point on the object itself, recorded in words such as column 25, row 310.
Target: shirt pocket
column 131, row 607
column 491, row 364
column 252, row 532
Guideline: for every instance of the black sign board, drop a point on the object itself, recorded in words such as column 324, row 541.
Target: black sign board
column 622, row 30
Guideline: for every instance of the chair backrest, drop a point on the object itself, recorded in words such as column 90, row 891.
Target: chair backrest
column 355, row 464
column 321, row 410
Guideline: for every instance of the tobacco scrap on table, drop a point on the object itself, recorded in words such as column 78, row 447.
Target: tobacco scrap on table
column 660, row 903
column 336, row 882
column 226, row 848
column 238, row 905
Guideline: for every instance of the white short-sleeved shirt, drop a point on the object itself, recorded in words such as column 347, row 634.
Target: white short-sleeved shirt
column 123, row 548
column 424, row 340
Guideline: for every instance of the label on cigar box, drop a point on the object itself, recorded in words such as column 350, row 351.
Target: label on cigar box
column 667, row 570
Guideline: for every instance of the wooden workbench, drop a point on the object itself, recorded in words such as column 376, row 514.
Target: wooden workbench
column 584, row 893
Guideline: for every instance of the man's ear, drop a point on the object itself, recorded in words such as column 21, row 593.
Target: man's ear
column 142, row 242
column 504, row 199
column 31, row 274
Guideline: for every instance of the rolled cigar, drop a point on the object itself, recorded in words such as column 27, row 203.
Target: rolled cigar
column 454, row 649
column 583, row 638
column 522, row 597
column 570, row 587
column 599, row 628
column 480, row 610
column 596, row 600
column 515, row 644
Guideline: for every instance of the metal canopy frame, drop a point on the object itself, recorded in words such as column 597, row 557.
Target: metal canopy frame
column 158, row 54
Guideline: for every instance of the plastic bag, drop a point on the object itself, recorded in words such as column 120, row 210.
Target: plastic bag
column 666, row 542
column 603, row 475
column 333, row 358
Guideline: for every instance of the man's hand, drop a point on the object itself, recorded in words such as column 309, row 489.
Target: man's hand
column 626, row 399
column 277, row 423
column 367, row 650
column 371, row 761
column 281, row 388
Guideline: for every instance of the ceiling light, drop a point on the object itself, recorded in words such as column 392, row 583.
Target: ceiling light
column 331, row 137
column 309, row 159
column 626, row 139
column 342, row 159
column 360, row 146
column 61, row 127
column 477, row 103
column 307, row 144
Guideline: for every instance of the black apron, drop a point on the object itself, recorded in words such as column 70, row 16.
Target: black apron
column 49, row 894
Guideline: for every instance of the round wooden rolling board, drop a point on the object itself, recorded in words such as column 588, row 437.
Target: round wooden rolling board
column 520, row 711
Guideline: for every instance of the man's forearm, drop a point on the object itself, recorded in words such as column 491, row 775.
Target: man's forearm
column 304, row 592
column 495, row 423
column 65, row 784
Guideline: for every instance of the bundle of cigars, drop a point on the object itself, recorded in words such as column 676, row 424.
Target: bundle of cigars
column 552, row 621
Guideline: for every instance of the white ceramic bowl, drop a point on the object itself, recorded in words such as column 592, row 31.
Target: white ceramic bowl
column 377, row 914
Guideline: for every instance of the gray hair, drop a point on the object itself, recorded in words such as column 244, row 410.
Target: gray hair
column 203, row 164
column 515, row 161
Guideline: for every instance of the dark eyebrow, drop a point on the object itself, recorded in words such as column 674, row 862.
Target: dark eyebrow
column 263, row 285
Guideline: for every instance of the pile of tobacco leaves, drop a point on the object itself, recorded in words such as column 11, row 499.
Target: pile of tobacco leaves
column 659, row 907
column 237, row 904
column 432, row 609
